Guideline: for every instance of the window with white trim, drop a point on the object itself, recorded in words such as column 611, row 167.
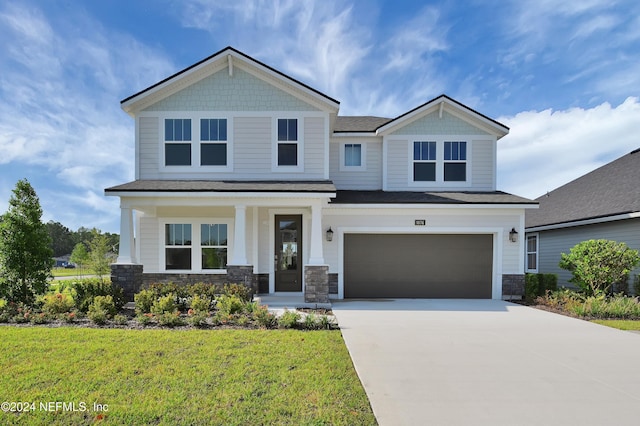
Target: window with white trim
column 532, row 252
column 352, row 155
column 177, row 142
column 213, row 142
column 424, row 161
column 214, row 245
column 287, row 145
column 455, row 161
column 178, row 246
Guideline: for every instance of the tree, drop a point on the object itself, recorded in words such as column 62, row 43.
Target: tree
column 79, row 256
column 25, row 247
column 61, row 238
column 597, row 265
column 99, row 256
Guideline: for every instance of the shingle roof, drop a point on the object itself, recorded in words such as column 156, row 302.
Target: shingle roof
column 223, row 186
column 436, row 197
column 359, row 123
column 610, row 190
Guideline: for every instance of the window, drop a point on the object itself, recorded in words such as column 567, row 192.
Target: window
column 455, row 161
column 424, row 161
column 532, row 252
column 177, row 147
column 353, row 155
column 213, row 242
column 214, row 151
column 178, row 246
column 287, row 142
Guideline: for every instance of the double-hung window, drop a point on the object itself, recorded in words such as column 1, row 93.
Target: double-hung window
column 455, row 161
column 287, row 149
column 424, row 161
column 213, row 145
column 353, row 155
column 177, row 142
column 178, row 246
column 214, row 245
column 532, row 253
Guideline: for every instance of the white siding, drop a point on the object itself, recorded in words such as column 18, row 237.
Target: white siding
column 149, row 140
column 552, row 243
column 483, row 156
column 252, row 147
column 397, row 165
column 368, row 179
column 314, row 147
column 149, row 244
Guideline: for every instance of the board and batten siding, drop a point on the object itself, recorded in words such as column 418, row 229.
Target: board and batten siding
column 554, row 242
column 368, row 179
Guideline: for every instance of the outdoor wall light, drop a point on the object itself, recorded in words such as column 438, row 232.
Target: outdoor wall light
column 329, row 234
column 513, row 235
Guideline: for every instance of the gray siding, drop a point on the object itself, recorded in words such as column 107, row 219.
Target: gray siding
column 314, row 147
column 397, row 165
column 149, row 140
column 483, row 154
column 432, row 124
column 369, row 179
column 552, row 243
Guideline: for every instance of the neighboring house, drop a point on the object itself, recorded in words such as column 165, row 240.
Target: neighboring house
column 244, row 174
column 603, row 204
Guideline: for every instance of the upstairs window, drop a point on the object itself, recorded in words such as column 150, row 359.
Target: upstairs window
column 287, row 142
column 353, row 155
column 424, row 161
column 177, row 137
column 455, row 161
column 213, row 145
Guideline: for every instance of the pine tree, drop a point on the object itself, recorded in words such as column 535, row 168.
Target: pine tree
column 25, row 247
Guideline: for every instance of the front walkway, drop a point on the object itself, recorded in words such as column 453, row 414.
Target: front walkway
column 489, row 362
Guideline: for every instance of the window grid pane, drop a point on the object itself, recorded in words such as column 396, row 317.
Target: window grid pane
column 424, row 151
column 287, row 154
column 455, row 151
column 353, row 154
column 287, row 129
column 177, row 154
column 455, row 172
column 213, row 154
column 213, row 129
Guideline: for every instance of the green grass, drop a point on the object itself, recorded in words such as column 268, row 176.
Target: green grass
column 620, row 324
column 71, row 272
column 168, row 377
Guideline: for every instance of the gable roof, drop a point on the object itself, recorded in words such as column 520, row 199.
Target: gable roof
column 491, row 125
column 355, row 124
column 220, row 60
column 611, row 190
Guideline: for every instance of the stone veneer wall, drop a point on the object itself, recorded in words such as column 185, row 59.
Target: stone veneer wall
column 333, row 283
column 128, row 277
column 316, row 288
column 512, row 286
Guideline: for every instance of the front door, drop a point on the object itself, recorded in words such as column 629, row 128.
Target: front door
column 288, row 250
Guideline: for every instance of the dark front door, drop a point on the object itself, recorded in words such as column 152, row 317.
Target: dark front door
column 288, row 259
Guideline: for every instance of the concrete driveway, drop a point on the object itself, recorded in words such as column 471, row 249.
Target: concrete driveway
column 489, row 362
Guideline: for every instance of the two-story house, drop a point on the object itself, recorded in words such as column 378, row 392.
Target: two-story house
column 244, row 174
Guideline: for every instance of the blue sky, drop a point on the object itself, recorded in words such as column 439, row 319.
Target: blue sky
column 563, row 75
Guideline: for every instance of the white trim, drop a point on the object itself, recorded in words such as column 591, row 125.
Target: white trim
column 363, row 157
column 214, row 198
column 497, row 232
column 196, row 258
column 526, row 252
column 137, row 165
column 354, row 134
column 606, row 219
column 336, row 208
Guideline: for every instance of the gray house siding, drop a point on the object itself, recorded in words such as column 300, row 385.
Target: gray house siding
column 368, row 179
column 554, row 242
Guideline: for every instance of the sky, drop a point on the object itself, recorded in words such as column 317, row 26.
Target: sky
column 564, row 76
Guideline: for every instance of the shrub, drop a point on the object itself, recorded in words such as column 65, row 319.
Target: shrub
column 144, row 301
column 263, row 317
column 289, row 319
column 326, row 323
column 57, row 303
column 87, row 289
column 549, row 281
column 144, row 319
column 165, row 304
column 170, row 319
column 197, row 319
column 240, row 290
column 97, row 315
column 531, row 285
column 3, row 304
column 40, row 318
column 69, row 317
column 104, row 303
column 596, row 265
column 636, row 285
column 206, row 291
column 120, row 319
column 200, row 304
column 310, row 322
column 229, row 304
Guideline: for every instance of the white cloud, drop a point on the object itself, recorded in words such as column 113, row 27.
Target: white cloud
column 546, row 149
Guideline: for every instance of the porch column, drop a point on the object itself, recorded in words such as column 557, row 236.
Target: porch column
column 240, row 237
column 316, row 255
column 126, row 252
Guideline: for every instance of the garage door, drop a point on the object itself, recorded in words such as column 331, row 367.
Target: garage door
column 416, row 266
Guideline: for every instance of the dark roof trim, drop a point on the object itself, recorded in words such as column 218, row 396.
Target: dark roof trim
column 434, row 197
column 229, row 48
column 199, row 186
column 578, row 222
column 452, row 100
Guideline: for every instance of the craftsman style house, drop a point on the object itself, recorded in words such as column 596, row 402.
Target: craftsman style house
column 244, row 174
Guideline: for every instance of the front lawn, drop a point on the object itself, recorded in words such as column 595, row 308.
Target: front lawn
column 225, row 377
column 620, row 324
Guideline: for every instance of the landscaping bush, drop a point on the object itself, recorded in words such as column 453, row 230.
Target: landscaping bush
column 144, row 301
column 289, row 319
column 531, row 283
column 58, row 303
column 197, row 319
column 87, row 289
column 164, row 305
column 229, row 304
column 636, row 285
column 263, row 317
column 144, row 319
column 120, row 319
column 102, row 309
column 200, row 304
column 595, row 306
column 170, row 319
column 96, row 315
column 240, row 290
column 596, row 265
column 538, row 284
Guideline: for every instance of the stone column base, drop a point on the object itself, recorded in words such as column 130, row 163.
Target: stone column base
column 242, row 274
column 316, row 284
column 127, row 277
column 512, row 286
